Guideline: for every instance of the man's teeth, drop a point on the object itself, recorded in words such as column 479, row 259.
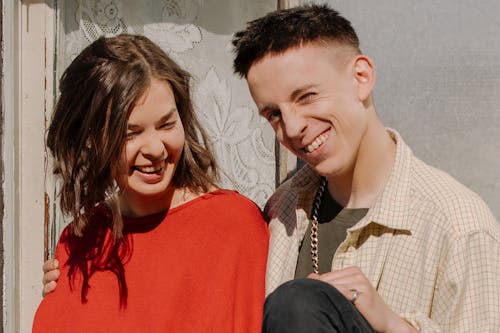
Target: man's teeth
column 316, row 143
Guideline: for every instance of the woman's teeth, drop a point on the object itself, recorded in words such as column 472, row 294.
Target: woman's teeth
column 150, row 169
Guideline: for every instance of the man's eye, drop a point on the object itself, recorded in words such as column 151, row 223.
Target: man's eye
column 307, row 97
column 273, row 115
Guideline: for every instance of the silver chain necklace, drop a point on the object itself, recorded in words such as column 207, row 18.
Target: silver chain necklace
column 314, row 225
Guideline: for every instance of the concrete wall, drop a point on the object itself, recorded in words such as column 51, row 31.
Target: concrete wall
column 438, row 81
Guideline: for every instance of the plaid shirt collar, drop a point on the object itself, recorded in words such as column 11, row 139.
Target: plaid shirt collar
column 385, row 211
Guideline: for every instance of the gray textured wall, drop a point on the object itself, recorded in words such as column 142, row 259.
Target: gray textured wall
column 438, row 81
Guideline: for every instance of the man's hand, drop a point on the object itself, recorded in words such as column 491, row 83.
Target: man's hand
column 368, row 302
column 50, row 275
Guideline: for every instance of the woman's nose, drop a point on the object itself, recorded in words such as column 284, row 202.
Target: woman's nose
column 153, row 146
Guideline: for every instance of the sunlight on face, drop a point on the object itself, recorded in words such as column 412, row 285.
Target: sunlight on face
column 311, row 98
column 155, row 141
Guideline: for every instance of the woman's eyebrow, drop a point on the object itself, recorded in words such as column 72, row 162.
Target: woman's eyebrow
column 164, row 118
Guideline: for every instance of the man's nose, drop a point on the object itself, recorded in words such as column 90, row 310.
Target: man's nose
column 294, row 124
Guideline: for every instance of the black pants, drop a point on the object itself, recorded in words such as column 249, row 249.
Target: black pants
column 312, row 306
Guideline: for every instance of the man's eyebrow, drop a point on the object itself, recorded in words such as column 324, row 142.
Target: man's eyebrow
column 299, row 91
column 296, row 93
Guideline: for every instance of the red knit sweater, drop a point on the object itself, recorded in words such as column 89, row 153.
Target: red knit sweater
column 201, row 269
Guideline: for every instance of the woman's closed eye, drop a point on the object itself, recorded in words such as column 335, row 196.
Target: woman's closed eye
column 131, row 134
column 168, row 125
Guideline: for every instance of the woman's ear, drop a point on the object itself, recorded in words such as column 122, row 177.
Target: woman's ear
column 364, row 73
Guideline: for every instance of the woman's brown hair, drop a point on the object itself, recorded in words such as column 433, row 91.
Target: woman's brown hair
column 87, row 134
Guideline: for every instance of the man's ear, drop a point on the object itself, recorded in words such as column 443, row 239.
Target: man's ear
column 364, row 73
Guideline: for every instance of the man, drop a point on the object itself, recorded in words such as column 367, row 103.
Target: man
column 389, row 243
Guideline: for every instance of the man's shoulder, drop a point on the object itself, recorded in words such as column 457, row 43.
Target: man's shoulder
column 285, row 196
column 443, row 196
column 435, row 185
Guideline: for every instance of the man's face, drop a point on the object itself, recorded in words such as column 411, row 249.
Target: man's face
column 310, row 95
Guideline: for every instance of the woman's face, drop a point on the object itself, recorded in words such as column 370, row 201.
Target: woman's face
column 154, row 144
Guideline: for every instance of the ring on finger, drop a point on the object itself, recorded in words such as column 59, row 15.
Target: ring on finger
column 355, row 294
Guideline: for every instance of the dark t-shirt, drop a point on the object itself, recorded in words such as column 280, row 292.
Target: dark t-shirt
column 333, row 222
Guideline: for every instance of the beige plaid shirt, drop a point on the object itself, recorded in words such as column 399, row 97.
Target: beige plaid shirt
column 430, row 246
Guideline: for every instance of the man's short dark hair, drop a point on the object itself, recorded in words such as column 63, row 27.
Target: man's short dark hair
column 281, row 30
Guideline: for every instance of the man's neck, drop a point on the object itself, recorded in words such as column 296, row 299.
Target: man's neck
column 360, row 187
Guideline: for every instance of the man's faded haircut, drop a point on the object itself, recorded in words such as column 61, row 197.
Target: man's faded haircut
column 281, row 30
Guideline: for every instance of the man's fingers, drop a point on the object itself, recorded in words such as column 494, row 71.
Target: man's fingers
column 346, row 280
column 51, row 276
column 50, row 265
column 49, row 287
column 343, row 273
column 350, row 275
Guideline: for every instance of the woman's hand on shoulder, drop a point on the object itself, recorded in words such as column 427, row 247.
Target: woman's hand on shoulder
column 50, row 275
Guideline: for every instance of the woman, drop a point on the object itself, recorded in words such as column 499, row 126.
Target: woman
column 154, row 245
